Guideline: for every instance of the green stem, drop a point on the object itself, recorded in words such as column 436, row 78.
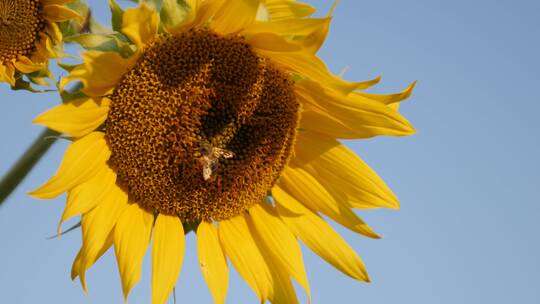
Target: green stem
column 26, row 162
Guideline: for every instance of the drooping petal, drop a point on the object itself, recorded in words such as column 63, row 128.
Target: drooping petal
column 341, row 171
column 307, row 190
column 59, row 13
column 10, row 74
column 140, row 24
column 319, row 236
column 53, row 31
column 167, row 256
column 235, row 15
column 5, row 75
column 88, row 195
column 212, row 261
column 239, row 245
column 97, row 227
column 82, row 160
column 25, row 65
column 76, row 118
column 131, row 237
column 279, row 242
column 339, row 116
column 45, row 47
column 99, row 72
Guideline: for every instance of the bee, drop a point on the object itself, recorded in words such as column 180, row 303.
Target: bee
column 210, row 158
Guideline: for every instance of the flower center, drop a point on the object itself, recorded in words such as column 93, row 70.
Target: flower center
column 20, row 24
column 201, row 127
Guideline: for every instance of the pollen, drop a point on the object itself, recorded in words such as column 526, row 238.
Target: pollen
column 201, row 127
column 21, row 21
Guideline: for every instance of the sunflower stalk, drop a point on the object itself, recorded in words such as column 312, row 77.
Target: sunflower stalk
column 26, row 162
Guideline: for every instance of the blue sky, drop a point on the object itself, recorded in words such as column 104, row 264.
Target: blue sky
column 468, row 180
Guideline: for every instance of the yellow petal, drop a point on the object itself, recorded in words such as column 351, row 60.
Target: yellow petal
column 239, row 245
column 82, row 160
column 5, row 75
column 307, row 190
column 76, row 118
column 44, row 47
column 314, row 41
column 97, row 227
column 58, row 2
column 53, row 31
column 140, row 24
column 78, row 262
column 290, row 27
column 342, row 172
column 212, row 261
column 341, row 116
column 59, row 13
column 310, row 66
column 386, row 99
column 279, row 242
column 319, row 236
column 283, row 289
column 131, row 238
column 87, row 262
column 99, row 72
column 394, row 106
column 25, row 65
column 76, row 266
column 167, row 256
column 88, row 195
column 286, row 9
column 10, row 74
column 199, row 14
column 235, row 15
column 271, row 42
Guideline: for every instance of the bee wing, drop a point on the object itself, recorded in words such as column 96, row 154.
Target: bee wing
column 207, row 171
column 218, row 152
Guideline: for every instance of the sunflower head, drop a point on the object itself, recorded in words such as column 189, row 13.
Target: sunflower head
column 219, row 116
column 29, row 37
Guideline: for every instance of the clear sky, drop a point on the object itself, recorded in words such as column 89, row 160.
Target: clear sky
column 468, row 180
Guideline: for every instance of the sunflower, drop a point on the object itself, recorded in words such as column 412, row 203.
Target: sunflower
column 218, row 118
column 30, row 36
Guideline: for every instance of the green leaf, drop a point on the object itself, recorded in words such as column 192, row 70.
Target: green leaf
column 114, row 42
column 21, row 84
column 73, row 93
column 89, row 41
column 72, row 27
column 39, row 80
column 70, row 97
column 117, row 15
column 172, row 13
column 67, row 67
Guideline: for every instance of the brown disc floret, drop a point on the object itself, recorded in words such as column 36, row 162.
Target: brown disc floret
column 201, row 127
column 21, row 21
